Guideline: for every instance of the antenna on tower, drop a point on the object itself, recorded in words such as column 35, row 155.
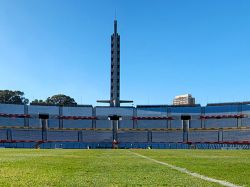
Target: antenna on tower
column 115, row 14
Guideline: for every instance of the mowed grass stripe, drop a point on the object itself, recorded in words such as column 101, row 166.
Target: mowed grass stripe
column 184, row 170
column 229, row 165
column 20, row 167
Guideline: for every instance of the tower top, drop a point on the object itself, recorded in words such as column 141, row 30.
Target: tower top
column 115, row 26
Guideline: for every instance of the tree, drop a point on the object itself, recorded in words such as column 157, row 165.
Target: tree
column 38, row 102
column 12, row 97
column 61, row 99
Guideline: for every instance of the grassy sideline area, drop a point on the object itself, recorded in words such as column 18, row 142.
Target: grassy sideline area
column 61, row 167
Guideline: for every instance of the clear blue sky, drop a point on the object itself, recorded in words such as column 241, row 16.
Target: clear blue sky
column 167, row 48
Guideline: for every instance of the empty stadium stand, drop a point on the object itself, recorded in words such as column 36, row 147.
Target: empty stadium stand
column 167, row 136
column 155, row 126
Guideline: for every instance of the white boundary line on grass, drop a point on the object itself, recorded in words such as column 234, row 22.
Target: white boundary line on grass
column 184, row 170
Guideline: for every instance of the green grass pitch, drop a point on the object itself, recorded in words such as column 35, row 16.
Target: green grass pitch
column 60, row 167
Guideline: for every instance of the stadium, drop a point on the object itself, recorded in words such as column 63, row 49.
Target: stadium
column 215, row 126
column 191, row 144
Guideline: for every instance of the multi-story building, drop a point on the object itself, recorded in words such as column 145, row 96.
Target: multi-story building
column 185, row 99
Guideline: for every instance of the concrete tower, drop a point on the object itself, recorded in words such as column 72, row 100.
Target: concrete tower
column 115, row 71
column 115, row 68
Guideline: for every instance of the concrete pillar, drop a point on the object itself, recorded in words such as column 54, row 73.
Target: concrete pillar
column 80, row 138
column 115, row 124
column 60, row 114
column 94, row 115
column 239, row 122
column 149, row 136
column 169, row 115
column 44, row 129
column 135, row 125
column 220, row 136
column 203, row 120
column 185, row 126
column 9, row 135
column 202, row 123
column 26, row 112
column 44, row 121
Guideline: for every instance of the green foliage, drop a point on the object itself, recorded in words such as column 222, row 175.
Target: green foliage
column 59, row 99
column 17, row 97
column 12, row 97
column 59, row 167
column 38, row 102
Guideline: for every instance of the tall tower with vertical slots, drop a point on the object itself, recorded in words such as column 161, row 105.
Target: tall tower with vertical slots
column 115, row 68
column 115, row 71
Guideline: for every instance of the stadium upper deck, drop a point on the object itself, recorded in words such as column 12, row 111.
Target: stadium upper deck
column 214, row 123
column 143, row 116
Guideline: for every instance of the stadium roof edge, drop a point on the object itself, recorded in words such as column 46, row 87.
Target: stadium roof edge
column 159, row 106
column 61, row 105
column 114, row 107
column 229, row 103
